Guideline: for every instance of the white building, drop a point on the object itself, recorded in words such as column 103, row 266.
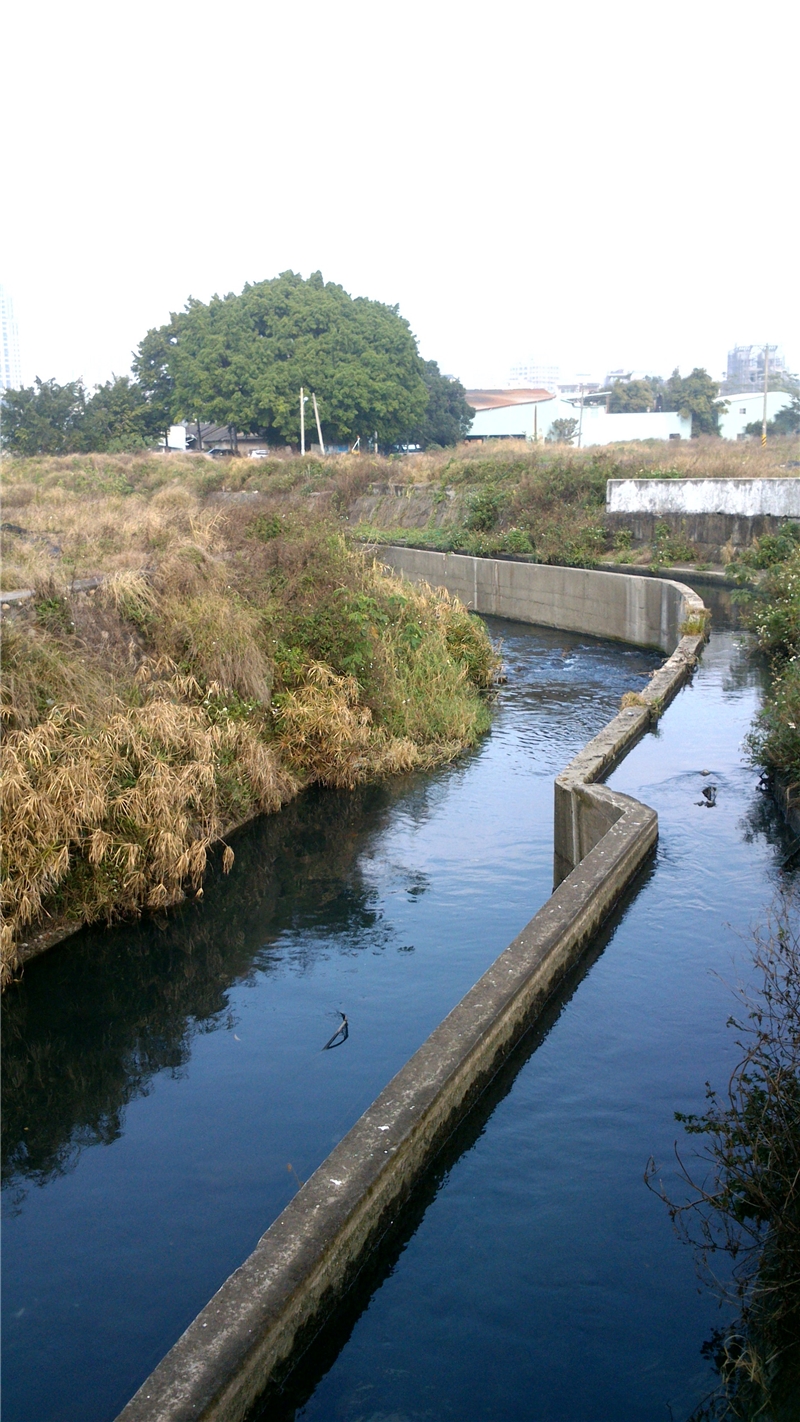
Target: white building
column 530, row 414
column 742, row 410
column 534, row 374
column 10, row 374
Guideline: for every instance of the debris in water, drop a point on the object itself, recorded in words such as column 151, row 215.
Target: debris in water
column 709, row 797
column 342, row 1031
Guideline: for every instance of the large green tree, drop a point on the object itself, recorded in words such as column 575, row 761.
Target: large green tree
column 448, row 417
column 152, row 367
column 695, row 395
column 241, row 360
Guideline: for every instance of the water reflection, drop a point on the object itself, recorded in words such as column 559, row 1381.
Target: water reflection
column 89, row 1026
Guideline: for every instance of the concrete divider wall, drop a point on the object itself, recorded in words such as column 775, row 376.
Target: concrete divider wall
column 255, row 1326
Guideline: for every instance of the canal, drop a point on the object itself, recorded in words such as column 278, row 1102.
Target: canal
column 165, row 1087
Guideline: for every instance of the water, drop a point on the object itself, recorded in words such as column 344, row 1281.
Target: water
column 160, row 1081
column 543, row 1280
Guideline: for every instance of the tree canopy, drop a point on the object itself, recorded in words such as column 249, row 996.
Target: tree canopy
column 448, row 417
column 633, row 395
column 696, row 395
column 241, row 360
column 43, row 418
column 48, row 418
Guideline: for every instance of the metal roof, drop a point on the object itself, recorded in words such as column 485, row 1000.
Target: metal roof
column 500, row 399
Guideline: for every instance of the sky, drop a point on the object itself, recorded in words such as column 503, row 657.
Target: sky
column 601, row 185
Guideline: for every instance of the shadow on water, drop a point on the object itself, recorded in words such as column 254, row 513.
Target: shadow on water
column 91, row 1024
column 312, row 1360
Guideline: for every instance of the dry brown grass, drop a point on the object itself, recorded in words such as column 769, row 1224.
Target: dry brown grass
column 330, row 736
column 135, row 803
column 218, row 668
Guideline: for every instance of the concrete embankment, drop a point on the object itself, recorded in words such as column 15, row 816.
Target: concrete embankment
column 716, row 516
column 256, row 1325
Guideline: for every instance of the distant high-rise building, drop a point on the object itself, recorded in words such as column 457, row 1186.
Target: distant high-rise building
column 533, row 374
column 746, row 368
column 10, row 374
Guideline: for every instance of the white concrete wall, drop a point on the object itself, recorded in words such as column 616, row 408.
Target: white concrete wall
column 741, row 410
column 600, row 428
column 743, row 497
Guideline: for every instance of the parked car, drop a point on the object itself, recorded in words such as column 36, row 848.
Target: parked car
column 260, row 453
column 220, row 451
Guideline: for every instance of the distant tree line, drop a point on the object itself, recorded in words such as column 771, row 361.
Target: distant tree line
column 694, row 394
column 240, row 361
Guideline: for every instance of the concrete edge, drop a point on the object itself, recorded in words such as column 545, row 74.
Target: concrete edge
column 257, row 1323
column 10, row 600
column 787, row 794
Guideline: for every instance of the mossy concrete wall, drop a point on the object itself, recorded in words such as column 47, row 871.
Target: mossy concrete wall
column 256, row 1325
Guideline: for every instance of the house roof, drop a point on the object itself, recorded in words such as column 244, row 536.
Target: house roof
column 500, row 399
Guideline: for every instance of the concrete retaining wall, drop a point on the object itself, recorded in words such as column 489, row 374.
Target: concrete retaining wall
column 645, row 611
column 256, row 1325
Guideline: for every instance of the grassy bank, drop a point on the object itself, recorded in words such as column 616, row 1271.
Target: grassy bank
column 548, row 502
column 544, row 501
column 772, row 609
column 235, row 652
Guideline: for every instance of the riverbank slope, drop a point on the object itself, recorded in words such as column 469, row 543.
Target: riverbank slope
column 228, row 657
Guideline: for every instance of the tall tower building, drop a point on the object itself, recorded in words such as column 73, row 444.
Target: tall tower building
column 10, row 372
column 533, row 374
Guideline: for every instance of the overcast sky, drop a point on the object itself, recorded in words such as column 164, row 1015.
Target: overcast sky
column 603, row 185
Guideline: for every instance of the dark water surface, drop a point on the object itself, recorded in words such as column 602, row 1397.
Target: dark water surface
column 543, row 1280
column 165, row 1085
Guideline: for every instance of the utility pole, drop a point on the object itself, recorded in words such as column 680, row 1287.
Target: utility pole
column 319, row 426
column 302, row 422
column 766, row 385
column 580, row 419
